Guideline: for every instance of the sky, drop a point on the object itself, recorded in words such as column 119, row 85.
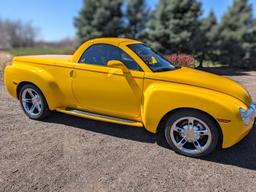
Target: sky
column 55, row 18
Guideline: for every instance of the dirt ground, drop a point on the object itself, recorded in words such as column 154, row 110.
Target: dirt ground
column 66, row 153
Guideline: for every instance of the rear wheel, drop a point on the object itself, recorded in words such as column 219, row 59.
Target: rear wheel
column 33, row 102
column 191, row 133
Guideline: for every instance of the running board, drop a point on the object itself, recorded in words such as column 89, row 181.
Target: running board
column 99, row 117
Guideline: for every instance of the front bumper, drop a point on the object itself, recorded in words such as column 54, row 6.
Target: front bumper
column 239, row 126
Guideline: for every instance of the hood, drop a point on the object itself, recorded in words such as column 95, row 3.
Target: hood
column 205, row 80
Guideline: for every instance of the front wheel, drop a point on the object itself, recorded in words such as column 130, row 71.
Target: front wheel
column 33, row 102
column 191, row 133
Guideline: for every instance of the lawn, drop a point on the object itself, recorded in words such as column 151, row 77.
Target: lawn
column 37, row 51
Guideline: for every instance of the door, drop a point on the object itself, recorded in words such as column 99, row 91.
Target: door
column 103, row 90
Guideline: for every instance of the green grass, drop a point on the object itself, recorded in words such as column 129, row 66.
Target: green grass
column 36, row 51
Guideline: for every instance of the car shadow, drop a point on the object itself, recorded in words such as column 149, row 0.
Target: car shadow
column 115, row 130
column 242, row 154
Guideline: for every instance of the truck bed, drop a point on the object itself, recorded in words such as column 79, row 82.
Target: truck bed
column 44, row 59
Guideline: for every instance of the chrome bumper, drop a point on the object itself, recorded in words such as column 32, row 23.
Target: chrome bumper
column 249, row 114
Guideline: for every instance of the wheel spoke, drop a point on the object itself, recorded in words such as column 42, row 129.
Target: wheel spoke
column 27, row 100
column 198, row 146
column 181, row 143
column 178, row 129
column 32, row 109
column 30, row 93
column 38, row 106
column 203, row 132
column 191, row 121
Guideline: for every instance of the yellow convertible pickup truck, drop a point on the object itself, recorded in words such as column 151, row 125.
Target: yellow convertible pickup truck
column 123, row 81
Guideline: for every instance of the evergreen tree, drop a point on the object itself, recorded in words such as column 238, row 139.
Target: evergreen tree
column 250, row 47
column 205, row 46
column 234, row 34
column 174, row 25
column 99, row 18
column 137, row 16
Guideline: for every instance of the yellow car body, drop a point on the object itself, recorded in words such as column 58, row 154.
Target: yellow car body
column 143, row 98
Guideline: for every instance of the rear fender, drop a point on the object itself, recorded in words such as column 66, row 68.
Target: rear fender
column 15, row 75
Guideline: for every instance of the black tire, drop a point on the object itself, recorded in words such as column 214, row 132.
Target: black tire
column 44, row 112
column 180, row 114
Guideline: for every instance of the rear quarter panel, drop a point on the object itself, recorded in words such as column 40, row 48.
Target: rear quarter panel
column 52, row 80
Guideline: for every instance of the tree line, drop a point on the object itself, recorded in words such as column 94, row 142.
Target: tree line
column 16, row 34
column 175, row 27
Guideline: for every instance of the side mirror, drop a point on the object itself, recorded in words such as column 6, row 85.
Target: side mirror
column 118, row 64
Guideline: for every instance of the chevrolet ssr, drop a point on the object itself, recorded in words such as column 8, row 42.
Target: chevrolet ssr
column 123, row 81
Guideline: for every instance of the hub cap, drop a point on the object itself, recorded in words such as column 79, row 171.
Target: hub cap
column 31, row 102
column 191, row 135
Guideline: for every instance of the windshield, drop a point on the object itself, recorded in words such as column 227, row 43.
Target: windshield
column 155, row 62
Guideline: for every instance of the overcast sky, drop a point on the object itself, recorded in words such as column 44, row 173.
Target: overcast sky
column 55, row 18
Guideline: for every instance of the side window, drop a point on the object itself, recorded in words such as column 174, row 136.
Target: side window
column 128, row 61
column 100, row 54
column 95, row 55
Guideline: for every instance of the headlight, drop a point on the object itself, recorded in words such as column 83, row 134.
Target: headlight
column 246, row 115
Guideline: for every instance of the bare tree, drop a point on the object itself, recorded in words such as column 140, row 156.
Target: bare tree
column 17, row 34
column 4, row 37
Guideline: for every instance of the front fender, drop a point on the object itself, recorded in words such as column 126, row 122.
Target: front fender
column 17, row 74
column 161, row 98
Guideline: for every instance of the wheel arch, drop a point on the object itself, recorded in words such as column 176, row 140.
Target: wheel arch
column 48, row 97
column 23, row 83
column 44, row 111
column 163, row 119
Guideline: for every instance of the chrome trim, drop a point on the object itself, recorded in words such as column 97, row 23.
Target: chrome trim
column 76, row 111
column 31, row 102
column 246, row 115
column 191, row 135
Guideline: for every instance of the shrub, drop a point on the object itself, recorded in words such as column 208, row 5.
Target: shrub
column 182, row 60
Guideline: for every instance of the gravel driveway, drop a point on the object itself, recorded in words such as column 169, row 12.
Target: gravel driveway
column 66, row 153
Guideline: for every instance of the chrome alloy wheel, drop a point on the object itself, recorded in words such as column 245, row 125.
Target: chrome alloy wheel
column 191, row 135
column 32, row 102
